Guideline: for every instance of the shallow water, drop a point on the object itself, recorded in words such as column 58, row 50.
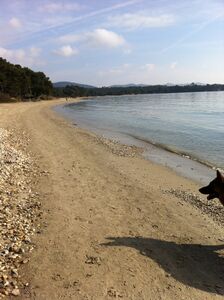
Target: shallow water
column 189, row 123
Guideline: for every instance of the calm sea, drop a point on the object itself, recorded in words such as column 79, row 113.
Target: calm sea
column 188, row 123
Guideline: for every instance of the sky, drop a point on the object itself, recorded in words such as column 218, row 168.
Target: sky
column 116, row 42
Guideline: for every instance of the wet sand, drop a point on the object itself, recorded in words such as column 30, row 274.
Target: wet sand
column 113, row 225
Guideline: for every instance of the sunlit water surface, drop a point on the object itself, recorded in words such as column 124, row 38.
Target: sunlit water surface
column 189, row 123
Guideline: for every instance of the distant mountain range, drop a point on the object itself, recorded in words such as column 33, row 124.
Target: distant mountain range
column 62, row 84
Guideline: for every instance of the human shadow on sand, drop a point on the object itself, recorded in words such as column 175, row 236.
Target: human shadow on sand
column 195, row 265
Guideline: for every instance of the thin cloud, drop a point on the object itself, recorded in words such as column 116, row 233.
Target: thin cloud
column 66, row 51
column 97, row 38
column 148, row 67
column 28, row 57
column 173, row 65
column 118, row 70
column 54, row 29
column 96, row 13
column 54, row 7
column 127, row 50
column 35, row 51
column 133, row 21
column 70, row 38
column 15, row 23
column 191, row 33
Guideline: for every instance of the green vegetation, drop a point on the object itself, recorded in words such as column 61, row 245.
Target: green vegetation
column 76, row 91
column 17, row 83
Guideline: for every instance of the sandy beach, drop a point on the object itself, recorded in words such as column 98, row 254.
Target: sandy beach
column 113, row 225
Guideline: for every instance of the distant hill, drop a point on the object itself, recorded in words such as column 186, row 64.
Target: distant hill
column 185, row 84
column 128, row 85
column 62, row 84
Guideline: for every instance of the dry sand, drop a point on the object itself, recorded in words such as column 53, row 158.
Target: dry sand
column 108, row 229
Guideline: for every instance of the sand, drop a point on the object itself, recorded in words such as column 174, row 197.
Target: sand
column 109, row 231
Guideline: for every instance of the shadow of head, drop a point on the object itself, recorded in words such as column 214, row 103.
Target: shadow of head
column 195, row 265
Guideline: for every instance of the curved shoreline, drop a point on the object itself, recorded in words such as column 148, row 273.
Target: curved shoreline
column 188, row 162
column 194, row 152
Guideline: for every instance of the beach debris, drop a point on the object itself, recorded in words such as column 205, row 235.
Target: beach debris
column 19, row 209
column 15, row 292
column 117, row 148
column 111, row 292
column 213, row 208
column 93, row 260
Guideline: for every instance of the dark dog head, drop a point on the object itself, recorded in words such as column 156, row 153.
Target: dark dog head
column 215, row 189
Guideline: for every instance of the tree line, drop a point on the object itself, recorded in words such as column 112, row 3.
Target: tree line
column 21, row 83
column 76, row 91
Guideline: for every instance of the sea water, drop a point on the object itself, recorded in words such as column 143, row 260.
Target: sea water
column 188, row 123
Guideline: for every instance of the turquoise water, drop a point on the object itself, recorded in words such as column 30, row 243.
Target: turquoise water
column 189, row 123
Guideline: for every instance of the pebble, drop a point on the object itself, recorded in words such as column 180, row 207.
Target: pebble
column 119, row 149
column 93, row 260
column 15, row 292
column 212, row 208
column 19, row 208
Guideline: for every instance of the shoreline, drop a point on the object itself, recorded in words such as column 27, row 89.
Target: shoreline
column 186, row 165
column 177, row 152
column 114, row 224
column 166, row 147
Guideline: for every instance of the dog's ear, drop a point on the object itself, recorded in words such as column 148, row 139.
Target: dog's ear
column 220, row 177
column 205, row 190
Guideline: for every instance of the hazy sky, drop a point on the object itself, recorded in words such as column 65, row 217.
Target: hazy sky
column 116, row 42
